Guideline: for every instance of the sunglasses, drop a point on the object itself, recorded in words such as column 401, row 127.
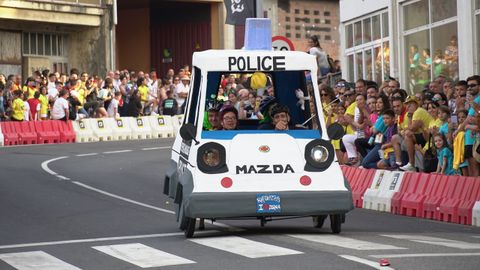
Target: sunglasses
column 472, row 85
column 340, row 85
column 324, row 95
column 348, row 95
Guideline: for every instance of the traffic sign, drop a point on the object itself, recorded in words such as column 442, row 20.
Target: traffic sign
column 281, row 43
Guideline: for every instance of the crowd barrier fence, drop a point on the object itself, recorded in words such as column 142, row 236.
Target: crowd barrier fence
column 454, row 199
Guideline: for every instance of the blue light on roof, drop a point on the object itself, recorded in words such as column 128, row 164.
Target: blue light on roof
column 258, row 34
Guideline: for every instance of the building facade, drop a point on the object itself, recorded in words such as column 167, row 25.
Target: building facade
column 413, row 40
column 56, row 35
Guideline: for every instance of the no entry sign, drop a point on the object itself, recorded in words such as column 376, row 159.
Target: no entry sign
column 281, row 43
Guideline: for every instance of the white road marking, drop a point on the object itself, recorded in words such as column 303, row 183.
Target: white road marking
column 142, row 255
column 122, row 198
column 435, row 241
column 35, row 260
column 344, row 242
column 38, row 244
column 375, row 265
column 244, row 247
column 118, row 151
column 156, row 148
column 46, row 162
column 424, row 255
column 62, row 177
column 87, row 155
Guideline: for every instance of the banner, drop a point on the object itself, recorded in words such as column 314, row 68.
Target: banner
column 239, row 10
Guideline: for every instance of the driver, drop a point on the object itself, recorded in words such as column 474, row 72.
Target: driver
column 280, row 115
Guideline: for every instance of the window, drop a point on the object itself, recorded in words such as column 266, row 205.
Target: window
column 297, row 35
column 316, row 20
column 306, row 12
column 297, row 11
column 328, row 37
column 367, row 48
column 298, row 19
column 44, row 44
column 316, row 12
column 287, row 19
column 297, row 27
column 288, row 35
column 326, row 13
column 328, row 21
column 287, row 27
column 323, row 29
column 430, row 42
column 306, row 20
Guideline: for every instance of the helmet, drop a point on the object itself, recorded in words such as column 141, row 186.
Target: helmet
column 266, row 102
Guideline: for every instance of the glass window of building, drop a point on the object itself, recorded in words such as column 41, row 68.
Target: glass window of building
column 306, row 12
column 316, row 12
column 430, row 42
column 297, row 11
column 328, row 21
column 367, row 48
column 316, row 20
column 326, row 13
column 287, row 19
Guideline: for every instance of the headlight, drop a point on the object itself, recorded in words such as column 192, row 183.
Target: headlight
column 319, row 155
column 211, row 158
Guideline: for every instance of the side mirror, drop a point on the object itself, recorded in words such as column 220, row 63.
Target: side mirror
column 188, row 132
column 335, row 131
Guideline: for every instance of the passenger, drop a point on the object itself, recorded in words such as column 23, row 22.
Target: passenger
column 229, row 118
column 213, row 120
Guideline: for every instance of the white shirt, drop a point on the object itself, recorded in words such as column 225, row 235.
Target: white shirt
column 321, row 56
column 181, row 88
column 111, row 108
column 52, row 93
column 26, row 111
column 58, row 110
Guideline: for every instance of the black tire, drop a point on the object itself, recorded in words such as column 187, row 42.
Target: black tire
column 336, row 223
column 318, row 221
column 190, row 228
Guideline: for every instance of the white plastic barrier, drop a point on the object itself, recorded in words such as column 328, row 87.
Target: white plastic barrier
column 100, row 129
column 120, row 128
column 1, row 136
column 83, row 131
column 162, row 126
column 476, row 214
column 177, row 121
column 140, row 128
column 379, row 196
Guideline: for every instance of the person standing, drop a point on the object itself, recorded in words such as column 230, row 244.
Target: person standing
column 322, row 58
column 181, row 92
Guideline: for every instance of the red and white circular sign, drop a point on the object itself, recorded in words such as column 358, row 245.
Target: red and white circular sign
column 281, row 43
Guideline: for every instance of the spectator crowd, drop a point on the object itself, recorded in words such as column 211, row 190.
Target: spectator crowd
column 435, row 130
column 78, row 95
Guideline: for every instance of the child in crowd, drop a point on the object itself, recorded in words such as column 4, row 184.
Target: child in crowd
column 35, row 106
column 43, row 98
column 387, row 155
column 444, row 155
column 18, row 106
column 169, row 105
column 461, row 117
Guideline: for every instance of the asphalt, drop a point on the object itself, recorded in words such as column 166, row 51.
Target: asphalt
column 96, row 193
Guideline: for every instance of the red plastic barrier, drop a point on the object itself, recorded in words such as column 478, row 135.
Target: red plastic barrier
column 65, row 128
column 409, row 185
column 26, row 132
column 448, row 209
column 465, row 207
column 46, row 131
column 443, row 188
column 363, row 179
column 412, row 202
column 10, row 137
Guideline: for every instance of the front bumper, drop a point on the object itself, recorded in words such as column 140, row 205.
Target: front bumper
column 243, row 204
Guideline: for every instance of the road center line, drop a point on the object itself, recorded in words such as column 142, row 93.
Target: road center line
column 424, row 255
column 46, row 162
column 156, row 148
column 86, row 155
column 373, row 264
column 88, row 240
column 122, row 198
column 118, row 151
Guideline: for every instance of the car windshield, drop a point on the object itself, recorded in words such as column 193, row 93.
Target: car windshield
column 260, row 101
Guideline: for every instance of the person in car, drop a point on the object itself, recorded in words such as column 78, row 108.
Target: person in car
column 280, row 115
column 229, row 118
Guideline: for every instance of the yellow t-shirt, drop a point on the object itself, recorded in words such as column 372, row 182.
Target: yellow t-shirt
column 29, row 91
column 44, row 104
column 143, row 90
column 435, row 123
column 351, row 109
column 404, row 124
column 81, row 97
column 422, row 115
column 18, row 109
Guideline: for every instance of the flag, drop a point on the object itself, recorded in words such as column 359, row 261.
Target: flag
column 239, row 10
